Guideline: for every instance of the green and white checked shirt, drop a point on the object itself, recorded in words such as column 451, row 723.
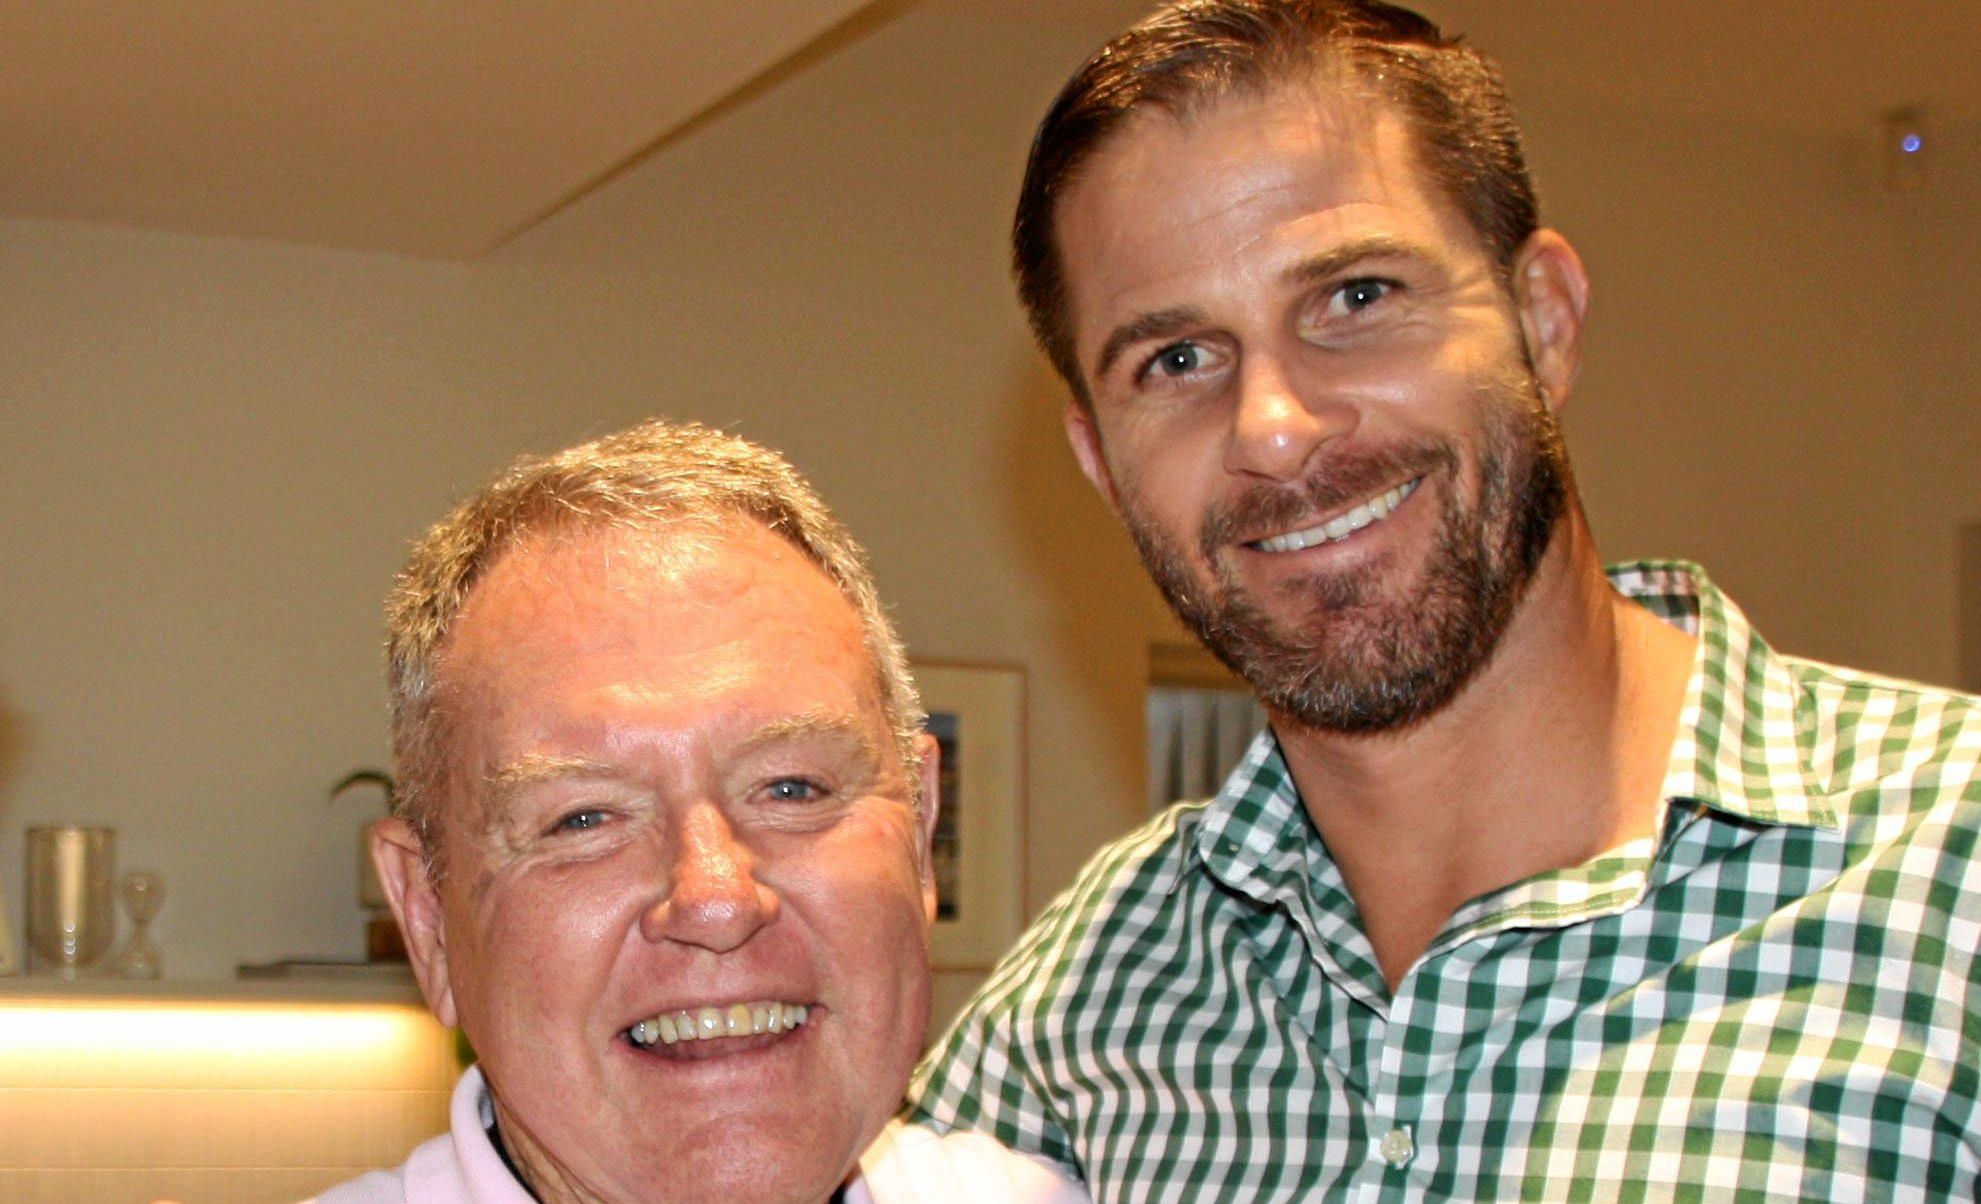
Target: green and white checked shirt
column 1776, row 997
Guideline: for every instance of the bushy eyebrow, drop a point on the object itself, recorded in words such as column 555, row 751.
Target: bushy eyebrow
column 533, row 769
column 816, row 724
column 1326, row 264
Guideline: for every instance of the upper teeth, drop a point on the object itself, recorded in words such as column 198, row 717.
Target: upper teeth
column 1341, row 525
column 736, row 1020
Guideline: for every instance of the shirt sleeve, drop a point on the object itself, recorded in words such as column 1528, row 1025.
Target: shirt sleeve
column 979, row 1076
column 1011, row 1065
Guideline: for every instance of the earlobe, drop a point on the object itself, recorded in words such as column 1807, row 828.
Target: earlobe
column 1551, row 290
column 401, row 863
column 1085, row 438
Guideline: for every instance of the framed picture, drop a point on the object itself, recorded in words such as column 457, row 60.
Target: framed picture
column 10, row 962
column 977, row 716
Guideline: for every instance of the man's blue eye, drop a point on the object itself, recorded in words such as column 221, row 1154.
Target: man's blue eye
column 793, row 790
column 581, row 821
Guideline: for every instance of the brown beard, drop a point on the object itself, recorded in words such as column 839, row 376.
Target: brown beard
column 1354, row 661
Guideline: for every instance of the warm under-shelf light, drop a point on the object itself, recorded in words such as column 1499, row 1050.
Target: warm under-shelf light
column 116, row 1029
column 227, row 1095
column 139, row 1042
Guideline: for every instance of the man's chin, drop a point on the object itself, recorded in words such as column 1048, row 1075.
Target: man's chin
column 791, row 1150
column 792, row 1166
column 1334, row 690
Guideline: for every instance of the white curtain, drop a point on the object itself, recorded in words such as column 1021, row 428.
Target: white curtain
column 1195, row 740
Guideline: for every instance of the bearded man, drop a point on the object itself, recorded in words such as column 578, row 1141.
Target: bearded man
column 1545, row 883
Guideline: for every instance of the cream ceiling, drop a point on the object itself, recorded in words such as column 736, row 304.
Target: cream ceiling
column 445, row 127
column 433, row 127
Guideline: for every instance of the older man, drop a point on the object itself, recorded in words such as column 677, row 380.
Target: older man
column 662, row 844
column 1542, row 885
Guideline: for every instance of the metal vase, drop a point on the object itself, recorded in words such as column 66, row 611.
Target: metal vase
column 72, row 914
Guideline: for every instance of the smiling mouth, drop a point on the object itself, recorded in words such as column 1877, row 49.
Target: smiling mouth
column 710, row 1030
column 1342, row 525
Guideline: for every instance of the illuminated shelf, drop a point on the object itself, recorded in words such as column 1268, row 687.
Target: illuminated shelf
column 86, row 992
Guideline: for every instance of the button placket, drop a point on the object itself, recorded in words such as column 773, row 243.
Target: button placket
column 1404, row 1071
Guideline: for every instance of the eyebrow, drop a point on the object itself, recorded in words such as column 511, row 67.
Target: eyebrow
column 1336, row 260
column 810, row 725
column 533, row 769
column 1328, row 263
column 1145, row 326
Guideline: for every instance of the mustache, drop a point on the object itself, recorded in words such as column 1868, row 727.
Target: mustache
column 1332, row 486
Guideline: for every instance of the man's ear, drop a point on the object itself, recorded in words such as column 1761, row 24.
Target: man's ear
column 931, row 784
column 1085, row 438
column 1551, row 291
column 401, row 863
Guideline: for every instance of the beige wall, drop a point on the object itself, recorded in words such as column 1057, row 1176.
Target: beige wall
column 213, row 452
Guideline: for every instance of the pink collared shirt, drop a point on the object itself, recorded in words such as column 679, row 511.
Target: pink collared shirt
column 905, row 1165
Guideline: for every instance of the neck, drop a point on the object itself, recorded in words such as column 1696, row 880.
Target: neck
column 546, row 1181
column 539, row 1175
column 1554, row 752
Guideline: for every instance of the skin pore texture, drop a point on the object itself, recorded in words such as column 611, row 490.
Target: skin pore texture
column 682, row 810
column 1331, row 426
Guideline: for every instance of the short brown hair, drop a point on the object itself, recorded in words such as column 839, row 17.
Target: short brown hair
column 655, row 476
column 1187, row 55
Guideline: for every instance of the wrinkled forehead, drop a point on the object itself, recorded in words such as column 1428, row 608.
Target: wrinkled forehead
column 578, row 580
column 640, row 603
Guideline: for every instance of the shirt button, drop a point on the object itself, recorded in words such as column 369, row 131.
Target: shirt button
column 1396, row 1147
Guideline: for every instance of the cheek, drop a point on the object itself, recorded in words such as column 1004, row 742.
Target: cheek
column 1165, row 471
column 540, row 936
column 860, row 896
column 1171, row 444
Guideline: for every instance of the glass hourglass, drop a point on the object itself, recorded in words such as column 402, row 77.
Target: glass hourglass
column 144, row 894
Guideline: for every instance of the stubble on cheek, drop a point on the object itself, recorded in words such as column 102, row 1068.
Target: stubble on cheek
column 1335, row 653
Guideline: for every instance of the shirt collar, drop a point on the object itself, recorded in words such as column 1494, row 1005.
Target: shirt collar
column 1745, row 744
column 1255, row 836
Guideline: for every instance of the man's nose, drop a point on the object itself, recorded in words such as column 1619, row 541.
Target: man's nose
column 1280, row 421
column 710, row 896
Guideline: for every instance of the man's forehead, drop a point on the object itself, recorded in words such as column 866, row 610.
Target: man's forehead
column 1321, row 110
column 669, row 560
column 618, row 629
column 592, row 596
column 633, row 552
column 1165, row 188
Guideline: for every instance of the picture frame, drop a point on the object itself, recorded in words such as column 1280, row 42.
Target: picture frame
column 10, row 962
column 977, row 715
